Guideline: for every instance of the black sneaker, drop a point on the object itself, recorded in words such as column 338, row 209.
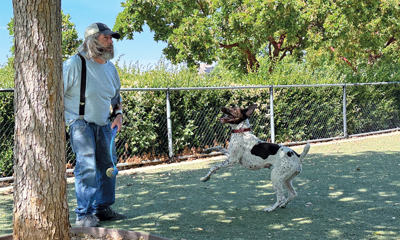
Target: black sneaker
column 109, row 215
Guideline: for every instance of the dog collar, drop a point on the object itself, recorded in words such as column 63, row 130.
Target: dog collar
column 241, row 130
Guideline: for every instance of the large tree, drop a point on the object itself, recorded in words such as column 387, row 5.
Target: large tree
column 238, row 32
column 40, row 194
column 233, row 32
column 357, row 31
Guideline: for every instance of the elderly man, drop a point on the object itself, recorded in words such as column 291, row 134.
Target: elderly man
column 89, row 125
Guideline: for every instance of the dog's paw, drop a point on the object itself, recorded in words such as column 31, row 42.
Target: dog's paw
column 207, row 150
column 270, row 209
column 273, row 207
column 205, row 179
column 283, row 205
column 215, row 149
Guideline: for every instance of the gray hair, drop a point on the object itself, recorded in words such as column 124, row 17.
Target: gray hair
column 94, row 49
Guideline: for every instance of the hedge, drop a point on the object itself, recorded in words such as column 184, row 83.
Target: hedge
column 302, row 113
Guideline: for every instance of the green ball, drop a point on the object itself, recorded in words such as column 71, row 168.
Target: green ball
column 109, row 172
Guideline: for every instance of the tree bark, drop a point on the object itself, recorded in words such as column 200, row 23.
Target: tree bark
column 40, row 194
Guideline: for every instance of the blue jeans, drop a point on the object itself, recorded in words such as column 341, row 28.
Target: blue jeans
column 93, row 189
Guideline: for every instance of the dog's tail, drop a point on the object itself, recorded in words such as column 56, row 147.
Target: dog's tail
column 305, row 151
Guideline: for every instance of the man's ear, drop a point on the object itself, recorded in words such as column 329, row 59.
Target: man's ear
column 248, row 111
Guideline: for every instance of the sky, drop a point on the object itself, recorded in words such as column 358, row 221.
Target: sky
column 142, row 49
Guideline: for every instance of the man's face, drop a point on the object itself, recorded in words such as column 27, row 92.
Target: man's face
column 106, row 41
column 107, row 47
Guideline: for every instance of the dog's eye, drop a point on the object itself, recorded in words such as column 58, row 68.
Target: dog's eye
column 289, row 154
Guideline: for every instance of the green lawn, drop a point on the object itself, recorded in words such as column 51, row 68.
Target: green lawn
column 348, row 190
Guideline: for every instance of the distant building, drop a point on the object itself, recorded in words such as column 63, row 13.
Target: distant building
column 205, row 68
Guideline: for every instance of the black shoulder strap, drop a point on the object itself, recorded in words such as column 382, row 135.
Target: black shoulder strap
column 83, row 88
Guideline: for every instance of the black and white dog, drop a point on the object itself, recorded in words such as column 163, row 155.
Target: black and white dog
column 252, row 153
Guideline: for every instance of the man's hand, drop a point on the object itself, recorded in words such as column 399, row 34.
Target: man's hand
column 117, row 122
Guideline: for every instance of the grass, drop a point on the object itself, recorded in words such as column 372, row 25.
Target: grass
column 347, row 190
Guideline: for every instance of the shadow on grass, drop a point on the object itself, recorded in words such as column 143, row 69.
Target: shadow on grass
column 340, row 197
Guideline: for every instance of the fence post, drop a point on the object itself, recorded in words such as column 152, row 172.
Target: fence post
column 271, row 108
column 344, row 112
column 169, row 128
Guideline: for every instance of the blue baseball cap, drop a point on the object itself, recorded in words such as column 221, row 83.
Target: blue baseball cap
column 100, row 28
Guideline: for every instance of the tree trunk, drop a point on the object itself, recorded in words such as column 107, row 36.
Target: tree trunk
column 40, row 194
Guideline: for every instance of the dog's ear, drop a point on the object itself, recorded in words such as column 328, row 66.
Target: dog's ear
column 248, row 111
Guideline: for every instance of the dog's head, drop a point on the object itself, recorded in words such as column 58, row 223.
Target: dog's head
column 237, row 115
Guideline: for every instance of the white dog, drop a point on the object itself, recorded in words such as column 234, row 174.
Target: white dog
column 252, row 153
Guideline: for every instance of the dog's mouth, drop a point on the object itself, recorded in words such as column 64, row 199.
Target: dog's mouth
column 223, row 120
column 232, row 116
column 229, row 119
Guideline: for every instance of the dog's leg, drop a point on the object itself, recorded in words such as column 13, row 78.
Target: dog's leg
column 217, row 149
column 291, row 192
column 280, row 197
column 277, row 182
column 215, row 168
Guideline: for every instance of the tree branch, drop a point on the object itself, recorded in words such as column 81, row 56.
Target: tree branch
column 251, row 60
column 229, row 45
column 391, row 40
column 201, row 7
column 252, row 63
column 345, row 59
column 291, row 48
column 372, row 57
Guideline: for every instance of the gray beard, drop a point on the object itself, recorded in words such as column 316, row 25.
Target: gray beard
column 103, row 52
column 107, row 55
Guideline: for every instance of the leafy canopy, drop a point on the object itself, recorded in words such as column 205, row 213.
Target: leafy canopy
column 238, row 33
column 70, row 40
column 70, row 43
column 233, row 32
column 358, row 32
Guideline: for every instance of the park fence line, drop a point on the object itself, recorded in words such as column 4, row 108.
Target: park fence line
column 271, row 87
column 271, row 114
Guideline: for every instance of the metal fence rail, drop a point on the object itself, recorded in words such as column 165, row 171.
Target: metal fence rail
column 314, row 117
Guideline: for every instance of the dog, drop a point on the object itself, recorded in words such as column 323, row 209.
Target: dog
column 252, row 153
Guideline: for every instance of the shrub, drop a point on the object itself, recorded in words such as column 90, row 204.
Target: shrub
column 6, row 134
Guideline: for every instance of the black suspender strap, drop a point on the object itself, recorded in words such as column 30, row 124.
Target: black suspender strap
column 83, row 88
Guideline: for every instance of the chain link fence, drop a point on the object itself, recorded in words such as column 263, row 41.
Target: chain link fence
column 174, row 123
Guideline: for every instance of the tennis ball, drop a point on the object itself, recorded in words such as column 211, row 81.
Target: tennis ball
column 110, row 172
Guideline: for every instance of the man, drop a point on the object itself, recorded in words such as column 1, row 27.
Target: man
column 91, row 132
